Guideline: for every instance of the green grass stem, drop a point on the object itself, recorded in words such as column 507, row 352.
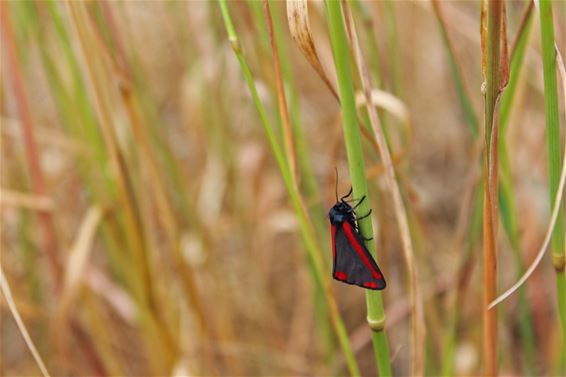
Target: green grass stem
column 352, row 138
column 463, row 96
column 507, row 206
column 554, row 158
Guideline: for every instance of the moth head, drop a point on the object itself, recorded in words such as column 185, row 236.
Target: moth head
column 340, row 212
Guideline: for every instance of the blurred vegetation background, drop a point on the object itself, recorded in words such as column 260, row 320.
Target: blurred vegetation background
column 151, row 226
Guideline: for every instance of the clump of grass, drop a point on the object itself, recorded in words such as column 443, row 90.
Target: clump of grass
column 183, row 226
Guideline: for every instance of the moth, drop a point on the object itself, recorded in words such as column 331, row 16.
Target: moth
column 352, row 261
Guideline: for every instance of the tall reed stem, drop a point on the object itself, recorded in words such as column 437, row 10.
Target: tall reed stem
column 352, row 139
column 417, row 317
column 495, row 16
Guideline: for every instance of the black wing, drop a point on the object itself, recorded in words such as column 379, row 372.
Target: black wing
column 353, row 263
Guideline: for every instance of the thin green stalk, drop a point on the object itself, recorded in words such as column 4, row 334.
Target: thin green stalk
column 554, row 158
column 307, row 176
column 391, row 180
column 507, row 207
column 305, row 225
column 393, row 44
column 352, row 138
column 517, row 59
column 473, row 234
column 287, row 131
column 463, row 97
column 509, row 216
column 372, row 52
column 360, row 8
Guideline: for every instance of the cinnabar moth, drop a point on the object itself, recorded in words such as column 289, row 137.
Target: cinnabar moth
column 352, row 261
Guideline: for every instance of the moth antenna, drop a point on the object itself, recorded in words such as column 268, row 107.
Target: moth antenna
column 336, row 171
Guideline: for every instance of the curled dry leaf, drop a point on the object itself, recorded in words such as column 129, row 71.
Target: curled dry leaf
column 392, row 105
column 299, row 26
column 116, row 296
column 386, row 101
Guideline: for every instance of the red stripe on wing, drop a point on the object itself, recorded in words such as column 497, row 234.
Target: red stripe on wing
column 354, row 242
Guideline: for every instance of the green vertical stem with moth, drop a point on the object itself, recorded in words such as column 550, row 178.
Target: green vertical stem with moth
column 307, row 229
column 339, row 41
column 554, row 157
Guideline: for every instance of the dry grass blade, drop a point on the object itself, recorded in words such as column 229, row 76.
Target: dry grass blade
column 298, row 18
column 281, row 99
column 78, row 255
column 418, row 325
column 555, row 210
column 24, row 200
column 14, row 310
column 386, row 101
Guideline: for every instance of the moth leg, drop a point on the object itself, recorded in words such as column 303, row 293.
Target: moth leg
column 359, row 202
column 364, row 216
column 348, row 194
column 354, row 200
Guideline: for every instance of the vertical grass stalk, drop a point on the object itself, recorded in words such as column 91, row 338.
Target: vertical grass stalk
column 507, row 206
column 495, row 14
column 554, row 157
column 417, row 317
column 339, row 41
